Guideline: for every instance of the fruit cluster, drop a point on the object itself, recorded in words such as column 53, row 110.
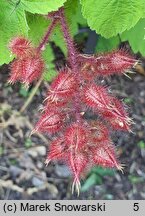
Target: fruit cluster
column 28, row 65
column 79, row 142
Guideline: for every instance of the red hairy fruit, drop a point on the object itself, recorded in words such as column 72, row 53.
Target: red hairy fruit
column 120, row 60
column 101, row 132
column 104, row 155
column 27, row 69
column 87, row 67
column 50, row 122
column 107, row 64
column 29, row 65
column 32, row 68
column 57, row 150
column 16, row 71
column 79, row 143
column 61, row 102
column 117, row 115
column 20, row 46
column 97, row 97
column 87, row 71
column 78, row 162
column 114, row 63
column 76, row 136
column 63, row 86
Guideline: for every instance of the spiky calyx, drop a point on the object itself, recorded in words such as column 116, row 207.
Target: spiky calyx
column 84, row 143
column 32, row 68
column 15, row 72
column 57, row 150
column 26, row 69
column 29, row 61
column 28, row 66
column 20, row 46
column 117, row 115
column 79, row 143
column 116, row 62
column 100, row 130
column 96, row 97
column 76, row 136
column 62, row 87
column 51, row 121
column 80, row 147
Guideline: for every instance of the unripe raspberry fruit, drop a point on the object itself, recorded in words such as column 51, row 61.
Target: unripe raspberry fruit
column 62, row 87
column 76, row 136
column 96, row 97
column 15, row 71
column 57, row 150
column 20, row 46
column 32, row 69
column 50, row 122
column 27, row 69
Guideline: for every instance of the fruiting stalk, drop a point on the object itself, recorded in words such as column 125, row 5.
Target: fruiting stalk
column 72, row 60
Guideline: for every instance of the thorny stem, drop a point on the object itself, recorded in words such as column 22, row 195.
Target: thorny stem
column 72, row 59
column 39, row 49
column 70, row 44
column 73, row 63
column 47, row 35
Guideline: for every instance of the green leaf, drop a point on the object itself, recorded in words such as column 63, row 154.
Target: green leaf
column 38, row 26
column 74, row 15
column 110, row 17
column 103, row 171
column 135, row 179
column 141, row 144
column 106, row 45
column 57, row 38
column 136, row 37
column 28, row 143
column 36, row 34
column 1, row 150
column 23, row 92
column 128, row 100
column 48, row 56
column 42, row 6
column 12, row 22
column 74, row 18
column 90, row 181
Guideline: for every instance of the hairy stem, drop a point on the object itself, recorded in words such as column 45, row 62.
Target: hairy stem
column 72, row 59
column 47, row 35
column 72, row 54
column 39, row 49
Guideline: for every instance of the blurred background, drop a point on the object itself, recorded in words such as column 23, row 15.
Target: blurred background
column 23, row 174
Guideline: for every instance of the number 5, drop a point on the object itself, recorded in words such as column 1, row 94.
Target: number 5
column 136, row 207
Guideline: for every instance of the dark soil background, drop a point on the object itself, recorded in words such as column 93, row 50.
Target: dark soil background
column 23, row 174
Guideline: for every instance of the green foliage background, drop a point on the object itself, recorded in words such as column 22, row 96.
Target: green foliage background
column 114, row 21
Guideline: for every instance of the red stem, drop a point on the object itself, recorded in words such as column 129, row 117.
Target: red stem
column 72, row 59
column 72, row 54
column 47, row 35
